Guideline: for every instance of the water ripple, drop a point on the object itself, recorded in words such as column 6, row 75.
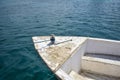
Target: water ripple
column 20, row 20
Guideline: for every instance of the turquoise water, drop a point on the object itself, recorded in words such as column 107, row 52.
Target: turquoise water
column 22, row 19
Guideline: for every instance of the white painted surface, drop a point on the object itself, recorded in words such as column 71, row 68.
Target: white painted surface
column 103, row 46
column 55, row 55
column 90, row 76
column 101, row 66
column 76, row 76
column 74, row 62
column 63, row 75
column 94, row 46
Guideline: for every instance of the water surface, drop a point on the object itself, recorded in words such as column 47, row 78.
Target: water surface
column 22, row 19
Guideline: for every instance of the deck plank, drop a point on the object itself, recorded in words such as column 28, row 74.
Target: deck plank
column 55, row 55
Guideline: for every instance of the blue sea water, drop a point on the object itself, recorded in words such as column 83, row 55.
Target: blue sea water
column 22, row 19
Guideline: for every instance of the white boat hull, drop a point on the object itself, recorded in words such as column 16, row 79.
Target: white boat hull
column 67, row 57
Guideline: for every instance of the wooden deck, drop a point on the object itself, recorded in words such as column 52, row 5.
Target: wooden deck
column 55, row 55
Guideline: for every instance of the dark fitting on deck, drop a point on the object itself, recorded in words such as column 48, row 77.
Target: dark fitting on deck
column 52, row 38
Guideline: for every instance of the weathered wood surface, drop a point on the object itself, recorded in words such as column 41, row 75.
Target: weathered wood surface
column 55, row 55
